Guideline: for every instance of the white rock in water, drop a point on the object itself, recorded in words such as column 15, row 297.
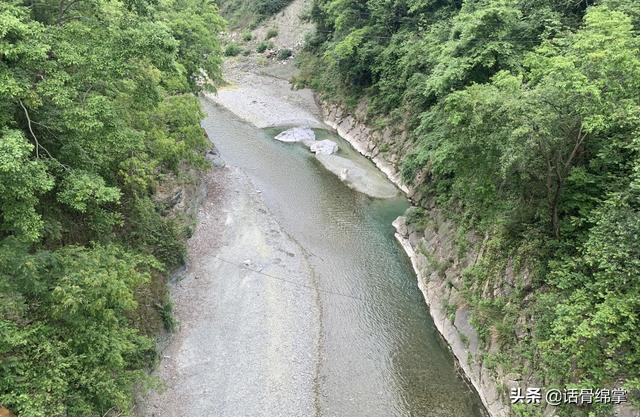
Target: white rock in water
column 297, row 134
column 325, row 147
column 360, row 175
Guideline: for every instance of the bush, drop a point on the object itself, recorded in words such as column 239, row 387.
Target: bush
column 271, row 33
column 72, row 350
column 262, row 46
column 232, row 50
column 269, row 7
column 247, row 36
column 284, row 54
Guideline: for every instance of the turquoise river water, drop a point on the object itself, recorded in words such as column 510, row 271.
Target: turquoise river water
column 381, row 353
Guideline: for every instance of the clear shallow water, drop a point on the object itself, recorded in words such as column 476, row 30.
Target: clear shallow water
column 381, row 354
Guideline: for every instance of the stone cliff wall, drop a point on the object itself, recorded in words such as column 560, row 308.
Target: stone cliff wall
column 431, row 251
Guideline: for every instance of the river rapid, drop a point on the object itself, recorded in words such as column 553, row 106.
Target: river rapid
column 378, row 352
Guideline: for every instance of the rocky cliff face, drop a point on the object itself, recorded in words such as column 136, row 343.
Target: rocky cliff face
column 375, row 145
column 439, row 278
column 431, row 251
column 439, row 269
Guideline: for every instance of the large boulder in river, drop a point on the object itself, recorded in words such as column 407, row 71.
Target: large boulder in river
column 324, row 147
column 297, row 134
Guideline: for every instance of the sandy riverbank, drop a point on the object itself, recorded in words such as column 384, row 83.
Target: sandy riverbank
column 247, row 287
column 266, row 100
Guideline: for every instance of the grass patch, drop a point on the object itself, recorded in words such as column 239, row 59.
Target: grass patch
column 284, row 54
column 232, row 49
column 263, row 46
column 271, row 33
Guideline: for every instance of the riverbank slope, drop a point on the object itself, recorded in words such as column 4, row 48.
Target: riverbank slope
column 439, row 270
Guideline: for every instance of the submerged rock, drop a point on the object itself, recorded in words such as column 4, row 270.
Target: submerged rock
column 358, row 177
column 325, row 147
column 297, row 134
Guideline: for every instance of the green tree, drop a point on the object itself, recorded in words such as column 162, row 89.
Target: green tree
column 96, row 111
column 22, row 181
column 522, row 121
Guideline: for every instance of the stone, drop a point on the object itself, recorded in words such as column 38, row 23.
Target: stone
column 297, row 134
column 214, row 157
column 175, row 199
column 325, row 147
column 401, row 226
column 359, row 176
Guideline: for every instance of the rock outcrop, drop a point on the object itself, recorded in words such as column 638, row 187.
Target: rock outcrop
column 357, row 177
column 324, row 147
column 438, row 272
column 214, row 157
column 439, row 276
column 375, row 145
column 297, row 134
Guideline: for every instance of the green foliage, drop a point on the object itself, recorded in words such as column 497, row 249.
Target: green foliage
column 284, row 54
column 162, row 237
column 269, row 7
column 527, row 410
column 595, row 322
column 22, row 181
column 232, row 49
column 67, row 347
column 247, row 36
column 263, row 46
column 79, row 190
column 248, row 13
column 195, row 25
column 96, row 108
column 417, row 216
column 523, row 123
column 166, row 313
column 271, row 33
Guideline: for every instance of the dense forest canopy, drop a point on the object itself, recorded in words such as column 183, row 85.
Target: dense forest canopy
column 524, row 122
column 524, row 119
column 96, row 110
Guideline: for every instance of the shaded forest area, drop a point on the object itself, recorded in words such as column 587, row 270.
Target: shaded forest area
column 524, row 123
column 97, row 114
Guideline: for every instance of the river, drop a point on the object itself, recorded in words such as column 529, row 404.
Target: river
column 379, row 352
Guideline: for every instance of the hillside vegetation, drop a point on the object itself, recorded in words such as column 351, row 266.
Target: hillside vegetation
column 96, row 112
column 248, row 13
column 524, row 122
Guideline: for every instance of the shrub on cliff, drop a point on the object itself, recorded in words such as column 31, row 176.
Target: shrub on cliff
column 232, row 49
